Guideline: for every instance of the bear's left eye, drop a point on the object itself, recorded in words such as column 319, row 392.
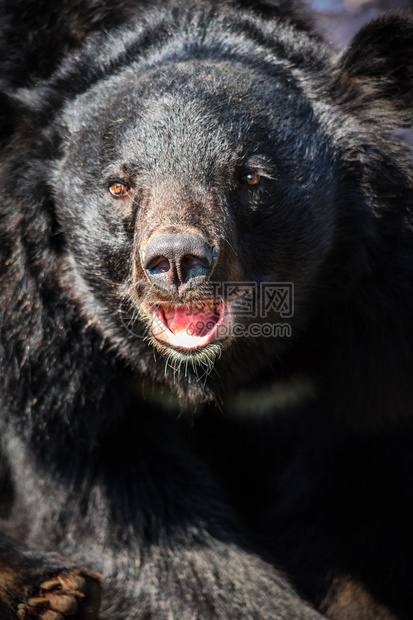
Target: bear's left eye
column 118, row 189
column 251, row 179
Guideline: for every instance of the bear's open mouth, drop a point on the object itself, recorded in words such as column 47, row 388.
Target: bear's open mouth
column 189, row 328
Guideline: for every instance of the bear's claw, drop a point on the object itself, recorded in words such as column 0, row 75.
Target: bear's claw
column 74, row 595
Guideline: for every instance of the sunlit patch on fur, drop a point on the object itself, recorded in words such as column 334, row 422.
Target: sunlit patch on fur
column 181, row 362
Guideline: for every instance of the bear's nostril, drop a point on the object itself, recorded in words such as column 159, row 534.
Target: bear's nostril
column 191, row 266
column 174, row 260
column 159, row 264
column 189, row 262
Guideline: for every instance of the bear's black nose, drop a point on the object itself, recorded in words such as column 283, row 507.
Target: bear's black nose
column 178, row 261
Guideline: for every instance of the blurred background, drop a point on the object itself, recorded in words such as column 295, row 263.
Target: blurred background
column 339, row 19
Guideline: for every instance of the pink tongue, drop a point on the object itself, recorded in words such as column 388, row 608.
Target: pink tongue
column 192, row 322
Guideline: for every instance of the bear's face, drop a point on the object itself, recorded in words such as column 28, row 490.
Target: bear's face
column 165, row 179
column 183, row 190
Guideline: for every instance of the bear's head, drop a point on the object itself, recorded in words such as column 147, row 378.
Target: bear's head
column 190, row 190
column 207, row 190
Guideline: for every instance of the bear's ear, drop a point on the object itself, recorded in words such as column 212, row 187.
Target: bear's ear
column 375, row 72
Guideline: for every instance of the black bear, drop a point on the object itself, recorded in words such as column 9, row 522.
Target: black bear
column 206, row 296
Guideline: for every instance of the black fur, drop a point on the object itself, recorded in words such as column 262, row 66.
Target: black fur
column 147, row 466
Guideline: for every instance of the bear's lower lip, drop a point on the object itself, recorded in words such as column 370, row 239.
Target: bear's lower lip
column 188, row 328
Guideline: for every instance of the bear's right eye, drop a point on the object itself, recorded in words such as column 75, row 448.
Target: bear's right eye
column 251, row 179
column 118, row 189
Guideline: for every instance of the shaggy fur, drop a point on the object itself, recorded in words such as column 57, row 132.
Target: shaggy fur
column 201, row 485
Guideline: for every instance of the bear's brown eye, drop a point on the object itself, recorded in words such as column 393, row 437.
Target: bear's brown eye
column 118, row 190
column 251, row 179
